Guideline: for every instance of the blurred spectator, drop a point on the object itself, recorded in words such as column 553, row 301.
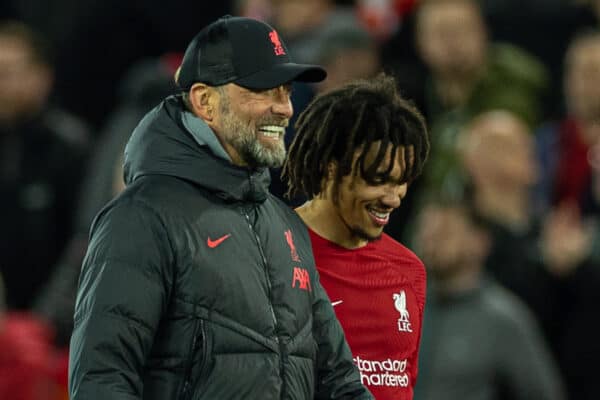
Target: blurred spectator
column 550, row 264
column 479, row 341
column 563, row 147
column 42, row 154
column 497, row 151
column 347, row 54
column 468, row 75
column 570, row 244
column 568, row 153
column 144, row 86
column 305, row 24
column 570, row 253
column 467, row 71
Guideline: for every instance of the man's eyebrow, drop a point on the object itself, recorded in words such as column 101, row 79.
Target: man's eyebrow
column 388, row 177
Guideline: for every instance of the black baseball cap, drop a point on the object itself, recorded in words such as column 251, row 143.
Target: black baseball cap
column 244, row 51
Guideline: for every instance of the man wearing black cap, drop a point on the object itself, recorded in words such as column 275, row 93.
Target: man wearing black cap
column 198, row 283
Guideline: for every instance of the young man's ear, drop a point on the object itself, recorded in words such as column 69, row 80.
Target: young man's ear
column 331, row 170
column 203, row 100
column 328, row 181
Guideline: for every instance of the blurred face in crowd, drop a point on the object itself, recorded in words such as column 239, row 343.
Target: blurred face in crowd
column 251, row 124
column 582, row 79
column 362, row 208
column 451, row 37
column 498, row 149
column 24, row 82
column 448, row 241
column 350, row 64
column 294, row 17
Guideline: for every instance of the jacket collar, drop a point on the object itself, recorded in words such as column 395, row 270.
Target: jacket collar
column 167, row 142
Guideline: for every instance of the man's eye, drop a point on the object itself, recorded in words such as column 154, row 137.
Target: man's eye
column 289, row 88
column 378, row 180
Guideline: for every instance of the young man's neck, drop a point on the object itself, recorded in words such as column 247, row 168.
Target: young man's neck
column 323, row 218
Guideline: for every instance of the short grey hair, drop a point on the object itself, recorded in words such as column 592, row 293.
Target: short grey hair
column 185, row 96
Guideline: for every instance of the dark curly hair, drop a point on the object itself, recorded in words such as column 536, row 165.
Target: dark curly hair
column 343, row 121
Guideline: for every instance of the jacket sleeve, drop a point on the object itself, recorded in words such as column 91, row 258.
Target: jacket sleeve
column 123, row 292
column 337, row 375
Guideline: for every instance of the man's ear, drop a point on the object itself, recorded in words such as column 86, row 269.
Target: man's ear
column 328, row 181
column 331, row 170
column 203, row 100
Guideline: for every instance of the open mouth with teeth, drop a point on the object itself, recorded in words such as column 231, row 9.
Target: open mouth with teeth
column 379, row 217
column 272, row 131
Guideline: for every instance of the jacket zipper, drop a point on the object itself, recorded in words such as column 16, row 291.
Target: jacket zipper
column 187, row 383
column 273, row 316
column 264, row 260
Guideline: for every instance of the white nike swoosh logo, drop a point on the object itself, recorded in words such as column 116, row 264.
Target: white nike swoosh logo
column 335, row 303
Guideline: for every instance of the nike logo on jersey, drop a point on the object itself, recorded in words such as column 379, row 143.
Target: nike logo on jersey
column 335, row 303
column 214, row 243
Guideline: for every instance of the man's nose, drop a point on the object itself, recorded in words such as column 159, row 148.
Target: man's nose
column 282, row 103
column 394, row 195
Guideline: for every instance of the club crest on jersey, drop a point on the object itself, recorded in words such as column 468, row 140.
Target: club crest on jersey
column 400, row 304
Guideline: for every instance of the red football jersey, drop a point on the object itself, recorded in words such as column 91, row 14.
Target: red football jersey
column 378, row 294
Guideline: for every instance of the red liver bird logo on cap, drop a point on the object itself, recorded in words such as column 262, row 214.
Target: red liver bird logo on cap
column 277, row 47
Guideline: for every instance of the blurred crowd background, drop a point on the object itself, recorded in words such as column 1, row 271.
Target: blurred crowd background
column 504, row 215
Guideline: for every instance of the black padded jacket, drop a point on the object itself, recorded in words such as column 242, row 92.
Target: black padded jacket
column 199, row 284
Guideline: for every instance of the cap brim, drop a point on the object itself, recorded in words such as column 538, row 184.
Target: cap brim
column 280, row 74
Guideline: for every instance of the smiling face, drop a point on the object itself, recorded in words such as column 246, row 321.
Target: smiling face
column 362, row 208
column 251, row 124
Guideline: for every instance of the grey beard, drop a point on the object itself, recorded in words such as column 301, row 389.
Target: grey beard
column 256, row 154
column 243, row 139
